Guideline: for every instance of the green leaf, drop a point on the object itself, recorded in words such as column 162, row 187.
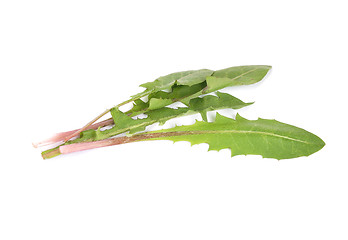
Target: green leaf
column 188, row 78
column 161, row 99
column 200, row 105
column 234, row 76
column 124, row 123
column 209, row 103
column 268, row 138
column 187, row 85
column 195, row 78
column 181, row 84
column 156, row 103
column 139, row 106
column 179, row 91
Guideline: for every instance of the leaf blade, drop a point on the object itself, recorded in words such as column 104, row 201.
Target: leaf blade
column 236, row 76
column 187, row 85
column 124, row 123
column 188, row 78
column 268, row 138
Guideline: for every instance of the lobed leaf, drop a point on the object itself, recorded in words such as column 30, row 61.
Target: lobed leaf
column 210, row 103
column 161, row 99
column 268, row 138
column 184, row 86
column 124, row 123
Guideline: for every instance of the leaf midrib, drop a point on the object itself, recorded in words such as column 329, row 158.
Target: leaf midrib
column 196, row 132
column 241, row 75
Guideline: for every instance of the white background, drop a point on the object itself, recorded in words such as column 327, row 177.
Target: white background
column 64, row 62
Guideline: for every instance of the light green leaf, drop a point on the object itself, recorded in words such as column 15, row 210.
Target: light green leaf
column 268, row 138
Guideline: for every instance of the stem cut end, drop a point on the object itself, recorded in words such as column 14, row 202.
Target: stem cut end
column 50, row 153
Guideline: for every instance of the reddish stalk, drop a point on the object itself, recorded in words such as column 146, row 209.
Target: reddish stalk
column 66, row 136
column 76, row 147
column 101, row 115
column 60, row 137
column 77, row 132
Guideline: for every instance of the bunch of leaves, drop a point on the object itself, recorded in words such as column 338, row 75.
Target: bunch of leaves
column 268, row 138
